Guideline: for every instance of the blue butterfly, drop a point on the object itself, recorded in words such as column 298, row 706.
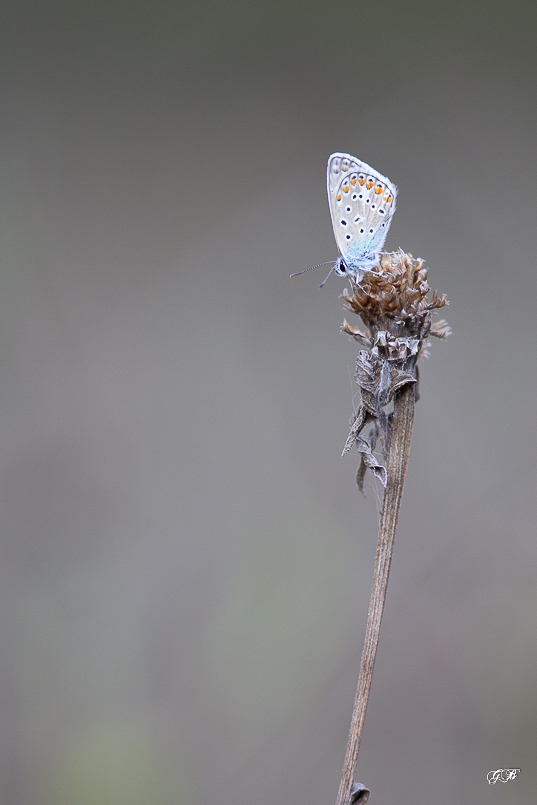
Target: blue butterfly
column 362, row 203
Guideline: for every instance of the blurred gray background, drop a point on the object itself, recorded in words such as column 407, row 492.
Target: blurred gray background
column 186, row 560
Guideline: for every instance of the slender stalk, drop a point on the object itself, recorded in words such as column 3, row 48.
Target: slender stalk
column 396, row 465
column 394, row 306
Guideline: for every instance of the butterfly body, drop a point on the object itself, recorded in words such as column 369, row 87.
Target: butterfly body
column 362, row 204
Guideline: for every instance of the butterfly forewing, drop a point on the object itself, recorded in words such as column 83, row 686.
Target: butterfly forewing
column 362, row 203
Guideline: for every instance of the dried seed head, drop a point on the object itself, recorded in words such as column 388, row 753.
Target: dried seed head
column 393, row 304
column 396, row 297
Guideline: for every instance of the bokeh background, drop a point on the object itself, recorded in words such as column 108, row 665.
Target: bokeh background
column 185, row 558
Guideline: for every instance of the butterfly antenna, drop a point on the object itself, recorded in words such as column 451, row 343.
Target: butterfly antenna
column 298, row 273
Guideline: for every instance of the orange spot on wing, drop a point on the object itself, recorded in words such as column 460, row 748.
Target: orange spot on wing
column 378, row 189
column 345, row 189
column 338, row 196
column 362, row 181
column 369, row 185
column 387, row 198
column 353, row 181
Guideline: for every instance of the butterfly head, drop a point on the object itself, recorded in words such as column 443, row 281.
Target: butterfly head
column 345, row 267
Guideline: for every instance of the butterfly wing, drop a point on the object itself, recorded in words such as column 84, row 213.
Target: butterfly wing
column 362, row 203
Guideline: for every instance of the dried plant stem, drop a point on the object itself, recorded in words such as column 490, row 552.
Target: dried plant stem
column 394, row 306
column 396, row 465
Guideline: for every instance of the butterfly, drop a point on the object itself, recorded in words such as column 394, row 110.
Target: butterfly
column 362, row 203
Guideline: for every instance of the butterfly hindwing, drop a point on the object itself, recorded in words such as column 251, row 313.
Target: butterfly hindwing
column 362, row 203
